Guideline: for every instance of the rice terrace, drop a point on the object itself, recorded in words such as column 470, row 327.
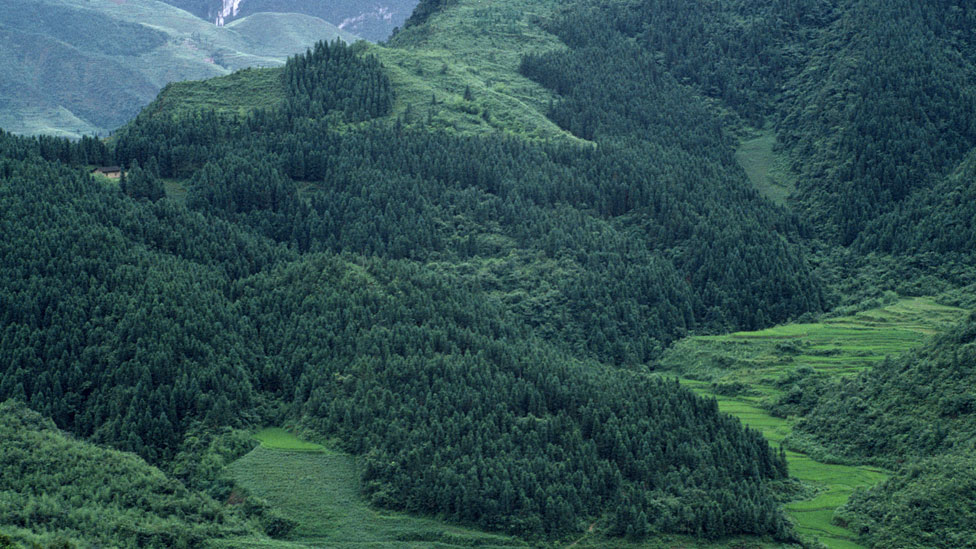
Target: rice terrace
column 752, row 366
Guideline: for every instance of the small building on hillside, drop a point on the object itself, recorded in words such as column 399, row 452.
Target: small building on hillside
column 112, row 172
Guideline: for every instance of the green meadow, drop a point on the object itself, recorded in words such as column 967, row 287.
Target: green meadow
column 318, row 488
column 768, row 171
column 745, row 370
column 275, row 438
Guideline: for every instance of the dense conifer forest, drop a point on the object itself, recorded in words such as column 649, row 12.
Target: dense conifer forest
column 255, row 302
column 478, row 316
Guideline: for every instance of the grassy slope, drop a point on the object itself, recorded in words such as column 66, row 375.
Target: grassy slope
column 839, row 346
column 238, row 93
column 478, row 45
column 319, row 488
column 767, row 170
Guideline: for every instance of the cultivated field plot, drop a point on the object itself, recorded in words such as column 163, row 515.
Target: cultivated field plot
column 747, row 367
column 838, row 346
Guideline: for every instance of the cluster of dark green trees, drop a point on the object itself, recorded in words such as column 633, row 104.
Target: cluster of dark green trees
column 926, row 505
column 741, row 52
column 443, row 306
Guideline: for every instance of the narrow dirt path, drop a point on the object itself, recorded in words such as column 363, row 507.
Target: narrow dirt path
column 588, row 532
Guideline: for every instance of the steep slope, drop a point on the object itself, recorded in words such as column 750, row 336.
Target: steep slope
column 78, row 67
column 58, row 491
column 882, row 108
column 429, row 302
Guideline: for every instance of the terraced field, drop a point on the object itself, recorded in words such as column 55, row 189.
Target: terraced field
column 742, row 371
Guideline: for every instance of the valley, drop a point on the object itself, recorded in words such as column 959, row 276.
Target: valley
column 591, row 274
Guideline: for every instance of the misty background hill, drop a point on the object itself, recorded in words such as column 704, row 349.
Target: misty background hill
column 373, row 20
column 78, row 67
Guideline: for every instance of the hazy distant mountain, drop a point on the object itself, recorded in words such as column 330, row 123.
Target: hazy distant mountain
column 371, row 19
column 83, row 66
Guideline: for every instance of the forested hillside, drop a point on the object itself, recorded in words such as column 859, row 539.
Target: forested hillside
column 871, row 101
column 460, row 255
column 687, row 255
column 373, row 305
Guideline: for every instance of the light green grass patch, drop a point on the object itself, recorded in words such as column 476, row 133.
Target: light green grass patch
column 276, row 438
column 238, row 93
column 320, row 491
column 175, row 189
column 767, row 170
